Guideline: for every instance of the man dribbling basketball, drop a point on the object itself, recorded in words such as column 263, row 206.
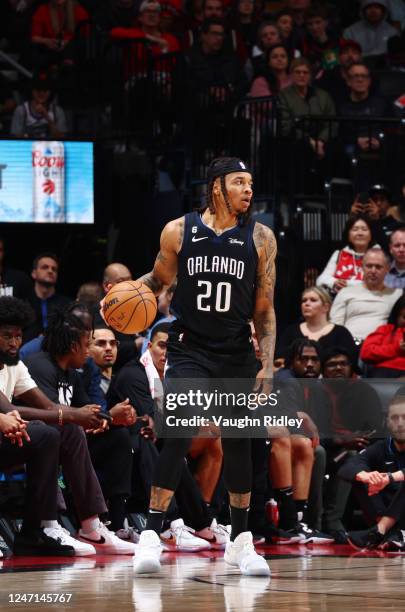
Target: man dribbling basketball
column 225, row 267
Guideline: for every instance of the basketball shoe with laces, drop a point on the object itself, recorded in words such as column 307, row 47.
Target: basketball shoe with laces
column 62, row 535
column 216, row 534
column 106, row 542
column 180, row 537
column 241, row 553
column 148, row 551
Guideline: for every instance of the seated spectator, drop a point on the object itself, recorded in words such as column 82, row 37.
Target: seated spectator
column 12, row 282
column 361, row 102
column 355, row 413
column 384, row 349
column 44, row 299
column 104, row 350
column 212, row 69
column 90, row 294
column 396, row 274
column 55, row 372
column 320, row 45
column 267, row 36
column 301, row 99
column 362, row 141
column 275, row 76
column 344, row 268
column 149, row 22
column 40, row 117
column 285, row 25
column 315, row 308
column 378, row 206
column 364, row 307
column 67, row 423
column 379, row 492
column 53, row 28
column 244, row 21
column 335, row 80
column 373, row 29
column 297, row 460
column 298, row 8
column 214, row 9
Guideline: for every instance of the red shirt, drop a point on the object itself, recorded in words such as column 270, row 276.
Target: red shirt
column 42, row 22
column 381, row 348
column 128, row 33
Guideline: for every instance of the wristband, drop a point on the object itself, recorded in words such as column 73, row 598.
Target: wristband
column 390, row 478
column 60, row 417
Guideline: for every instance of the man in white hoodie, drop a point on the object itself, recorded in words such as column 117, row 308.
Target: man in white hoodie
column 361, row 309
column 372, row 31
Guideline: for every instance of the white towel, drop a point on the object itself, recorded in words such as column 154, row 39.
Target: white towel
column 155, row 384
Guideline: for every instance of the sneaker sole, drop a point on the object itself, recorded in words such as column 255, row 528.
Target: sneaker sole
column 316, row 540
column 106, row 550
column 34, row 552
column 169, row 547
column 282, row 542
column 147, row 566
column 259, row 571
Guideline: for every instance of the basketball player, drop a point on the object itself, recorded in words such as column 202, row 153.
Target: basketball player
column 225, row 270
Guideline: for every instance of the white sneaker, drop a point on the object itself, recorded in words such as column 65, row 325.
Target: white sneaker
column 216, row 534
column 106, row 542
column 148, row 551
column 241, row 553
column 62, row 535
column 180, row 537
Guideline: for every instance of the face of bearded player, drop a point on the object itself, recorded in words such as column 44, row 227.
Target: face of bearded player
column 239, row 189
column 10, row 342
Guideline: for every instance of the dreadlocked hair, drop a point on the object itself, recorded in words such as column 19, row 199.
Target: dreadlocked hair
column 209, row 202
column 64, row 330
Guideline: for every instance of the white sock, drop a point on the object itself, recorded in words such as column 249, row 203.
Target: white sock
column 48, row 524
column 90, row 524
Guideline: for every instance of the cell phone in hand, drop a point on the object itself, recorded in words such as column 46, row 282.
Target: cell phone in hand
column 363, row 198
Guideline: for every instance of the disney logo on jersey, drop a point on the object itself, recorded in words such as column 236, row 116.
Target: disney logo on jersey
column 236, row 241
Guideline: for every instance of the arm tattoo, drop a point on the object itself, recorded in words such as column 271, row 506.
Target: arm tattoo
column 160, row 499
column 265, row 320
column 160, row 257
column 152, row 282
column 239, row 500
column 180, row 226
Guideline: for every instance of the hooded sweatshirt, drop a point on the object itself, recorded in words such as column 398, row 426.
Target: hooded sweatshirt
column 372, row 38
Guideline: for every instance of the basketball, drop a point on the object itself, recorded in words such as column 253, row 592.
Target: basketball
column 129, row 307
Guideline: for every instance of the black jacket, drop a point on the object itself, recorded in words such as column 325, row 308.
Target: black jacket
column 381, row 457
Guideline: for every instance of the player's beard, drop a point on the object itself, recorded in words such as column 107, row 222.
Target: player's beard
column 9, row 360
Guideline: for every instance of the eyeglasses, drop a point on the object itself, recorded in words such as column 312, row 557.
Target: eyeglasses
column 104, row 343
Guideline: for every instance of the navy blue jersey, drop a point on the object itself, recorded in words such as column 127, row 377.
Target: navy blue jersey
column 215, row 294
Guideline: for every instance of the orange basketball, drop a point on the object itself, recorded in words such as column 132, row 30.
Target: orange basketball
column 129, row 307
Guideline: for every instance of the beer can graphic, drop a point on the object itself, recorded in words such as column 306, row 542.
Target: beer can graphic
column 48, row 184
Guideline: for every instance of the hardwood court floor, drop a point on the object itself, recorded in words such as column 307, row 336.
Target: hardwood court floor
column 304, row 579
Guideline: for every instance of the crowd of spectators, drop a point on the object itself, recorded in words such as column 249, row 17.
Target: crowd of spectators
column 222, row 52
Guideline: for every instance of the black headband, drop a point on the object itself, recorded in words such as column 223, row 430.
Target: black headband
column 225, row 165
